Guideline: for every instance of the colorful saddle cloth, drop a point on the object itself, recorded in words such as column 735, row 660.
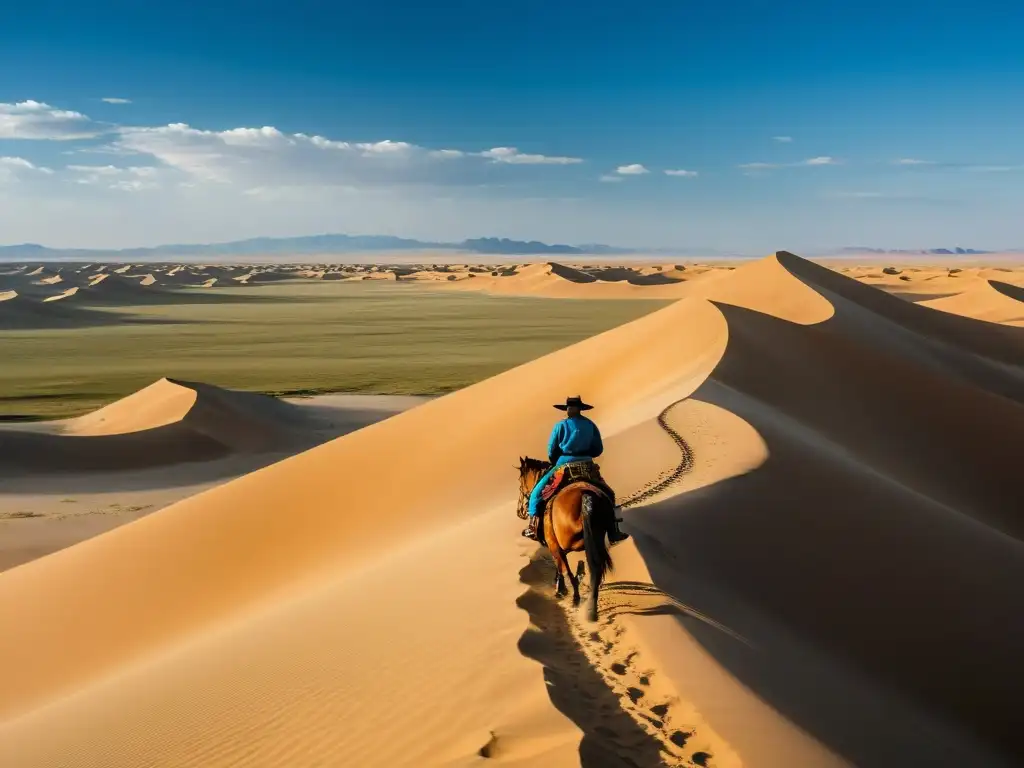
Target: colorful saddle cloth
column 577, row 472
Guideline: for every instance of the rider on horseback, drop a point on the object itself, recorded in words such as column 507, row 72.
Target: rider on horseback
column 574, row 438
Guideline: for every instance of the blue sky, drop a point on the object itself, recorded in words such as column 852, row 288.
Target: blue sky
column 792, row 125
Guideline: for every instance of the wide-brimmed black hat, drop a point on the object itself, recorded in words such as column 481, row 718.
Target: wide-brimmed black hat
column 574, row 402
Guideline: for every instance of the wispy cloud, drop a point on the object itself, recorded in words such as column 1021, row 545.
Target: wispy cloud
column 132, row 178
column 18, row 169
column 37, row 120
column 635, row 169
column 611, row 179
column 115, row 100
column 264, row 157
column 912, row 161
column 813, row 161
column 783, row 139
column 681, row 172
column 993, row 168
column 515, row 157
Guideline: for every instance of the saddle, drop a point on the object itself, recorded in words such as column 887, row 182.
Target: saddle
column 576, row 473
column 585, row 474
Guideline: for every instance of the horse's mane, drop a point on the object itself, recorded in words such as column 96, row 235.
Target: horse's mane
column 527, row 463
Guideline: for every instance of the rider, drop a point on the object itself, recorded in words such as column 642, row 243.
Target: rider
column 574, row 438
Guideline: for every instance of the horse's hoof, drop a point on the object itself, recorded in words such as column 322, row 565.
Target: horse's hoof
column 592, row 615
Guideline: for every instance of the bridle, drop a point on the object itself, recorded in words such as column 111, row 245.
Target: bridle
column 522, row 511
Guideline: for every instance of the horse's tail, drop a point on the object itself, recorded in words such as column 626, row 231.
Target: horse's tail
column 599, row 561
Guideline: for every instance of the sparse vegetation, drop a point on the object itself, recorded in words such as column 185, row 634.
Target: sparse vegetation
column 296, row 338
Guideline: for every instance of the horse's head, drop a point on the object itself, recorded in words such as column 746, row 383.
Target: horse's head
column 530, row 471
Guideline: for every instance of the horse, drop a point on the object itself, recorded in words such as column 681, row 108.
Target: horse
column 575, row 521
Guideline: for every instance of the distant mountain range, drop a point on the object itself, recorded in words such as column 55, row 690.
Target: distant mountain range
column 338, row 244
column 310, row 245
column 935, row 251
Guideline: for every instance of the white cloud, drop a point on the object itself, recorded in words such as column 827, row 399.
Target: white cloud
column 447, row 153
column 681, row 172
column 15, row 162
column 96, row 170
column 18, row 168
column 912, row 161
column 513, row 155
column 824, row 160
column 758, row 166
column 115, row 100
column 610, row 178
column 133, row 185
column 36, row 120
column 131, row 178
column 783, row 139
column 257, row 158
column 631, row 170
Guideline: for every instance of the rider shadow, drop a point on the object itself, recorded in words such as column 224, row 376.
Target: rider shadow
column 611, row 738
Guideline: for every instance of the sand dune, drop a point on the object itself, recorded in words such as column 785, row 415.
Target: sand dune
column 64, row 295
column 169, row 422
column 554, row 280
column 990, row 300
column 828, row 570
column 23, row 311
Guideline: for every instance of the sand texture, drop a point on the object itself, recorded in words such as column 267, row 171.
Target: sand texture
column 827, row 563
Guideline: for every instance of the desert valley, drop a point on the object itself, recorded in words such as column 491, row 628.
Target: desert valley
column 264, row 514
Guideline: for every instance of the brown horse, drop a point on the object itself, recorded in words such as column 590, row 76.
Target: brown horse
column 576, row 521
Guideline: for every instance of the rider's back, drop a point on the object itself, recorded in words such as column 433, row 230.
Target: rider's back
column 575, row 436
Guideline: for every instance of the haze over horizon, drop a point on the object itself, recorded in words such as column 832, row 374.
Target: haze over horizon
column 808, row 127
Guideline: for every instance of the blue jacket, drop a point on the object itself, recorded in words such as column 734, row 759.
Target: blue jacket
column 573, row 438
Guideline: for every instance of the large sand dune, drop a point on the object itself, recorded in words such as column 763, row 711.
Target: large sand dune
column 828, row 570
column 169, row 422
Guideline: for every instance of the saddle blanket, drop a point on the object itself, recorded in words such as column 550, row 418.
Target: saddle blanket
column 576, row 472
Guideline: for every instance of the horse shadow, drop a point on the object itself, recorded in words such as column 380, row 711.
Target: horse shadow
column 611, row 738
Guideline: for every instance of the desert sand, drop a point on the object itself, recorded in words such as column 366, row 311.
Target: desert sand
column 826, row 567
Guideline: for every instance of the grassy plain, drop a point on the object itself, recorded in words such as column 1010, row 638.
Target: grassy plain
column 293, row 338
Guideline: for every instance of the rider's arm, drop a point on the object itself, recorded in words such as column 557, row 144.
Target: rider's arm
column 554, row 451
column 596, row 445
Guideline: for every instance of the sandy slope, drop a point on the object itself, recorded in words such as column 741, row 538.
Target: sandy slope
column 834, row 578
column 169, row 422
column 990, row 300
column 46, row 511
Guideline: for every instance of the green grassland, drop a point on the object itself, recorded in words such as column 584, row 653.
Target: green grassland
column 294, row 338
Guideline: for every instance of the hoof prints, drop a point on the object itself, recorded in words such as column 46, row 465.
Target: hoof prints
column 601, row 683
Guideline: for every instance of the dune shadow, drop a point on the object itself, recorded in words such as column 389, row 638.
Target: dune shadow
column 873, row 561
column 1008, row 289
column 611, row 738
column 37, row 316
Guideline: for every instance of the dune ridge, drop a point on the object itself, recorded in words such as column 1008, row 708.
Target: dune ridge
column 168, row 422
column 872, row 573
column 992, row 301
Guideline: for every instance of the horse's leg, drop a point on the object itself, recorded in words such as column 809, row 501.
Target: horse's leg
column 572, row 580
column 564, row 537
column 559, row 558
